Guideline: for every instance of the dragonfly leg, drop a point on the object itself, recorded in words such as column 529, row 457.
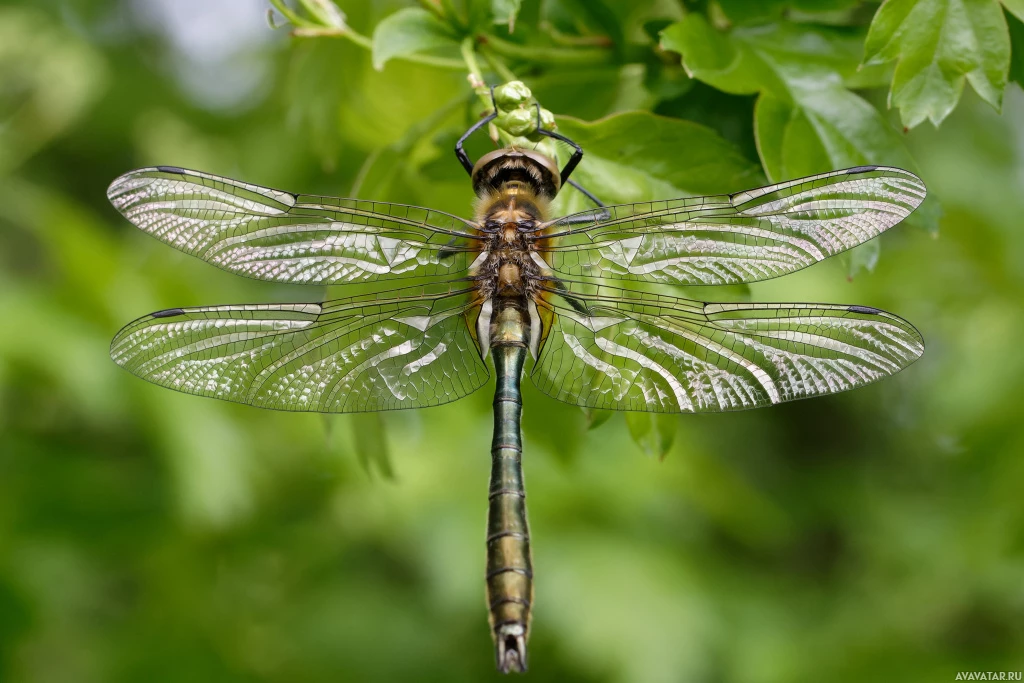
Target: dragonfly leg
column 574, row 160
column 587, row 193
column 570, row 166
column 460, row 153
column 446, row 251
column 563, row 291
column 602, row 215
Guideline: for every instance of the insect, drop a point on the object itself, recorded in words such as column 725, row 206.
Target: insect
column 520, row 287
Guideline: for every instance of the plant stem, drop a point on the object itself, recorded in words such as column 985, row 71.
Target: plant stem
column 476, row 76
column 476, row 80
column 321, row 32
column 291, row 16
column 546, row 55
column 497, row 66
column 567, row 40
column 434, row 9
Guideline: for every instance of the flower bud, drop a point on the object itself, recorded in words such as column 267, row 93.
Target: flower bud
column 547, row 119
column 511, row 95
column 518, row 121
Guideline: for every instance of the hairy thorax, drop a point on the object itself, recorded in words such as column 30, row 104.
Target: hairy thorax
column 510, row 219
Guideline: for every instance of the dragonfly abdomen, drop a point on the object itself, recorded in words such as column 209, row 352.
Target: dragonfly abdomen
column 509, row 566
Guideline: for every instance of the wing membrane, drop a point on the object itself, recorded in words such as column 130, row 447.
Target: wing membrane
column 744, row 237
column 408, row 348
column 636, row 351
column 273, row 235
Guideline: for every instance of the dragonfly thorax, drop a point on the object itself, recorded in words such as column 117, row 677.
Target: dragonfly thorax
column 510, row 220
column 508, row 271
column 510, row 280
column 508, row 275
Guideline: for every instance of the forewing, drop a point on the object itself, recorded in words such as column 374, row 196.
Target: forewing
column 272, row 235
column 637, row 351
column 399, row 349
column 744, row 237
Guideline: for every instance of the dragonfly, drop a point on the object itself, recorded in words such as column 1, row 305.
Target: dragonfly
column 520, row 288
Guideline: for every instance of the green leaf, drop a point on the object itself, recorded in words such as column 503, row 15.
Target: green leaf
column 653, row 432
column 471, row 16
column 937, row 44
column 584, row 18
column 806, row 121
column 824, row 129
column 587, row 93
column 771, row 57
column 786, row 140
column 744, row 11
column 369, row 439
column 749, row 11
column 505, row 12
column 1015, row 7
column 596, row 418
column 717, row 59
column 408, row 31
column 639, row 156
column 1017, row 39
column 325, row 12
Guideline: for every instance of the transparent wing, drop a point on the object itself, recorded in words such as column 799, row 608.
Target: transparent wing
column 622, row 350
column 283, row 237
column 744, row 237
column 407, row 348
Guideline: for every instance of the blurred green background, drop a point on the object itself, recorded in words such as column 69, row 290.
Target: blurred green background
column 145, row 535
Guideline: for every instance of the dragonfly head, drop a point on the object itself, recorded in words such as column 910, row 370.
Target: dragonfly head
column 496, row 170
column 510, row 645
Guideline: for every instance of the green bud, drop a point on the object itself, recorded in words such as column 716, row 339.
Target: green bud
column 547, row 120
column 511, row 95
column 518, row 121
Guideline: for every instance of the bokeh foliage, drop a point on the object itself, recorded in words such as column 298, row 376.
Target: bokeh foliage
column 145, row 535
